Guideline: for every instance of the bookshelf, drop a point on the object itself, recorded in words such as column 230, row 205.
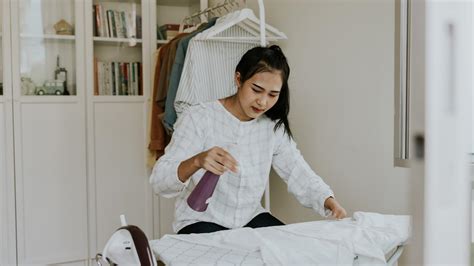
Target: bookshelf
column 117, row 121
column 130, row 42
column 117, row 41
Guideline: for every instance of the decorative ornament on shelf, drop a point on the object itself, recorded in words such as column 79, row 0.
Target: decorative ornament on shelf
column 28, row 87
column 60, row 73
column 51, row 87
column 63, row 28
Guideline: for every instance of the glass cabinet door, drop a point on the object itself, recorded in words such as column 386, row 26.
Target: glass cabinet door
column 49, row 124
column 47, row 47
column 117, row 44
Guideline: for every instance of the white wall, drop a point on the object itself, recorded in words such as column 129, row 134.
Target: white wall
column 341, row 55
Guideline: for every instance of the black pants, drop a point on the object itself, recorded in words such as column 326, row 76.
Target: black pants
column 261, row 220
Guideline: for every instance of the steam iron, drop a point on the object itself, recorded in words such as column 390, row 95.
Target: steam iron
column 127, row 246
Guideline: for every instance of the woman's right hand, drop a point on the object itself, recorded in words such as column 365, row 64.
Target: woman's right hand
column 216, row 160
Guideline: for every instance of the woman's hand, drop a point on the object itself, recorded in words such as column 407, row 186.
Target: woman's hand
column 338, row 211
column 216, row 160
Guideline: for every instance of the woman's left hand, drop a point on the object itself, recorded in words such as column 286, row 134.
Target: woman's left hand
column 338, row 212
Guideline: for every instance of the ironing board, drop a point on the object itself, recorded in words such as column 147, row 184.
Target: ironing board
column 372, row 239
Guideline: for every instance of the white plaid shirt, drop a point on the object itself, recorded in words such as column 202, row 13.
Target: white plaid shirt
column 237, row 197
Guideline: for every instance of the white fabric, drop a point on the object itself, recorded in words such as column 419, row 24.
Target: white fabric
column 209, row 69
column 311, row 243
column 236, row 199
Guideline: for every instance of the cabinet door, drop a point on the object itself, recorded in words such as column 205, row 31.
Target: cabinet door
column 117, row 36
column 7, row 187
column 49, row 123
column 448, row 79
column 441, row 187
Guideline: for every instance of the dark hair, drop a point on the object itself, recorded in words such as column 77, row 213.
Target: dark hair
column 268, row 59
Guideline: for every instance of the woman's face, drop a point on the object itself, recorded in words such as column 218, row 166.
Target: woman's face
column 258, row 94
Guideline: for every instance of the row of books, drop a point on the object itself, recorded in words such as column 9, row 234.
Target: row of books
column 117, row 78
column 116, row 24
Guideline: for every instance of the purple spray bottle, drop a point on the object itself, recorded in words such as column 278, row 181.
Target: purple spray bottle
column 198, row 199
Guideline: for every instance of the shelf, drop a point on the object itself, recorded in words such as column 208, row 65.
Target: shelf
column 118, row 99
column 48, row 99
column 118, row 1
column 185, row 3
column 117, row 40
column 49, row 37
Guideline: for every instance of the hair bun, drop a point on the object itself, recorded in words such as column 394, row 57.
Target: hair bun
column 276, row 48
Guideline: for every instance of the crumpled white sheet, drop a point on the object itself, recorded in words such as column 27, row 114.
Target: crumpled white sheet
column 371, row 235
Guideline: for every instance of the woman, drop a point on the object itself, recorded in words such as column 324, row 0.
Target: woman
column 240, row 138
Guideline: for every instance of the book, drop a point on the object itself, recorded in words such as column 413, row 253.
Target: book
column 140, row 77
column 104, row 22
column 129, row 79
column 111, row 27
column 96, row 77
column 118, row 83
column 131, row 27
column 113, row 80
column 95, row 15
column 107, row 79
column 138, row 23
column 134, row 78
column 123, row 19
column 118, row 24
column 123, row 78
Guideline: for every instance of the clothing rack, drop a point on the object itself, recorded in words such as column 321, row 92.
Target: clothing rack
column 227, row 4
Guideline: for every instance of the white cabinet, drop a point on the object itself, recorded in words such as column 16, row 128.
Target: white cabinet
column 73, row 155
column 50, row 137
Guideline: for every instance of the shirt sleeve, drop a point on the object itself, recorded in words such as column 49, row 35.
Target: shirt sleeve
column 187, row 141
column 308, row 188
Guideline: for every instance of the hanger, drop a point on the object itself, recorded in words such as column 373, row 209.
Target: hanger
column 246, row 20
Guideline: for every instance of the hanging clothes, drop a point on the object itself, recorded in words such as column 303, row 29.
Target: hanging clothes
column 166, row 69
column 158, row 137
column 170, row 114
column 152, row 153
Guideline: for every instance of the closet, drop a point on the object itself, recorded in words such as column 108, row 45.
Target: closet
column 73, row 149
